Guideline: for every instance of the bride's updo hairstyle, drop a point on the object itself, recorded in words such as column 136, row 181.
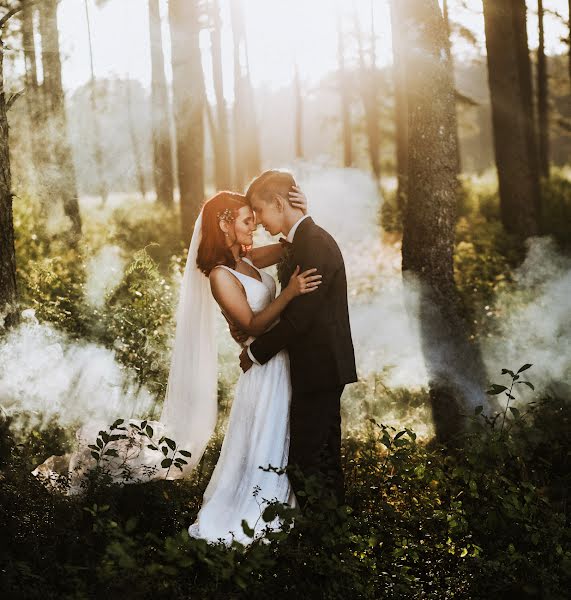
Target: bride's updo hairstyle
column 213, row 250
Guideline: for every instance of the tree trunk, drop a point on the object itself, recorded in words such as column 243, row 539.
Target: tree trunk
column 60, row 181
column 97, row 154
column 369, row 96
column 220, row 132
column 509, row 74
column 569, row 51
column 33, row 99
column 485, row 138
column 454, row 366
column 188, row 96
column 451, row 60
column 134, row 142
column 8, row 290
column 246, row 144
column 298, row 114
column 401, row 107
column 28, row 44
column 345, row 98
column 162, row 151
column 237, row 117
column 542, row 96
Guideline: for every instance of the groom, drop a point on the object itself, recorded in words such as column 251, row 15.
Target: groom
column 315, row 330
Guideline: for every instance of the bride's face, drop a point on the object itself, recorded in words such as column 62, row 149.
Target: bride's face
column 244, row 227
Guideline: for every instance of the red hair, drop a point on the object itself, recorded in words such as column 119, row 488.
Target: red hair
column 213, row 250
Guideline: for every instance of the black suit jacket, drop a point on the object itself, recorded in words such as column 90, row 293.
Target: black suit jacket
column 314, row 327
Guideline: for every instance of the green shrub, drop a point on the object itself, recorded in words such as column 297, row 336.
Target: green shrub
column 51, row 275
column 486, row 521
column 137, row 321
column 134, row 226
column 556, row 208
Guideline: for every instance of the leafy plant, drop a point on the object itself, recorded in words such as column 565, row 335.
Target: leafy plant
column 499, row 389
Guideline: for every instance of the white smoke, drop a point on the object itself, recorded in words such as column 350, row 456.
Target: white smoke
column 535, row 320
column 535, row 317
column 43, row 371
column 346, row 203
column 104, row 273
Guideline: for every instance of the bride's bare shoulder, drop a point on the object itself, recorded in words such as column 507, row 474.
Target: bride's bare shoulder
column 221, row 278
column 219, row 274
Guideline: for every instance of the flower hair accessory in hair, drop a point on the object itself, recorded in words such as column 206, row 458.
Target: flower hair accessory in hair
column 226, row 215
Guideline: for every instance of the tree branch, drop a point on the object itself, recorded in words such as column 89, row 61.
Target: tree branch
column 9, row 15
column 13, row 99
column 16, row 10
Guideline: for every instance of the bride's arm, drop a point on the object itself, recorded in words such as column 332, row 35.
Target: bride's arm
column 265, row 256
column 231, row 297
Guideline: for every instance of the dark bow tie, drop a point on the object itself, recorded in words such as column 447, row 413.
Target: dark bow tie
column 285, row 243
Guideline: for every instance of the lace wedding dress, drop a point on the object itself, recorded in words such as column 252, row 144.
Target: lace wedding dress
column 257, row 436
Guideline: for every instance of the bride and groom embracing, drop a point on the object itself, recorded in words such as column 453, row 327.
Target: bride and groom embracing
column 297, row 357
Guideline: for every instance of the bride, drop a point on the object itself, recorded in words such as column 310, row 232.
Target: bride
column 222, row 269
column 258, row 427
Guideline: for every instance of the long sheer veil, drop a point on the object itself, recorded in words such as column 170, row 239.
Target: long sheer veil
column 190, row 406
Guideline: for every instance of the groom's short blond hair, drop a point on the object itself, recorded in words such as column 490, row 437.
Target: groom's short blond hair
column 269, row 183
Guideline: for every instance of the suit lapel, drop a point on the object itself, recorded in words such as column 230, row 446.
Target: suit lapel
column 286, row 266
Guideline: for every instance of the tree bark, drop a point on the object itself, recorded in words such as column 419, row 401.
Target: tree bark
column 188, row 96
column 345, row 98
column 569, row 51
column 8, row 289
column 454, row 365
column 369, row 97
column 162, row 150
column 509, row 74
column 401, row 106
column 60, row 182
column 221, row 138
column 97, row 154
column 451, row 60
column 542, row 96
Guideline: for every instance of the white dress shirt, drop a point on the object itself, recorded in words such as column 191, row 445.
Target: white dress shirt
column 289, row 238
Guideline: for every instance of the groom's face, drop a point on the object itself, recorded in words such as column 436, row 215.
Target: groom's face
column 268, row 214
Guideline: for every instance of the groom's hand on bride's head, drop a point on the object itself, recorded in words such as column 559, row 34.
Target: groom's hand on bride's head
column 245, row 360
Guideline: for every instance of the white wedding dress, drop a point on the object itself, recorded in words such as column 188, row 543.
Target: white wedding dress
column 257, row 436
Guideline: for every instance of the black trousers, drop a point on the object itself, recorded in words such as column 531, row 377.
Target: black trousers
column 315, row 439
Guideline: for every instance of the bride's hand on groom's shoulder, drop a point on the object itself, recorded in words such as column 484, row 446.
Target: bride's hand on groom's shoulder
column 303, row 283
column 298, row 200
